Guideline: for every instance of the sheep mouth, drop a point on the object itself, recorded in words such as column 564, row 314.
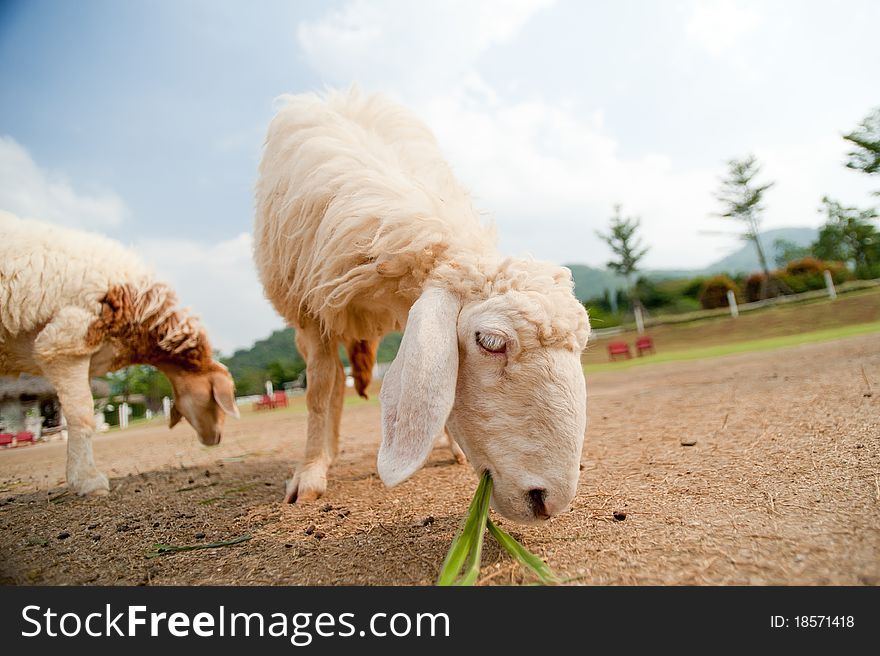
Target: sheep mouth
column 210, row 440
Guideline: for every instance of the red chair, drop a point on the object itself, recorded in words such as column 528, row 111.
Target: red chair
column 24, row 438
column 279, row 400
column 5, row 439
column 264, row 403
column 618, row 349
column 644, row 344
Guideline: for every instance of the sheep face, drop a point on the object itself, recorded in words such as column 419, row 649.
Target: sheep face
column 204, row 399
column 519, row 411
column 513, row 399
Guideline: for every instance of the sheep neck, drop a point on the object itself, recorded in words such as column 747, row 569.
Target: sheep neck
column 145, row 326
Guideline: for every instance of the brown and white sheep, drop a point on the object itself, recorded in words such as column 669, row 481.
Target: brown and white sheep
column 361, row 228
column 75, row 305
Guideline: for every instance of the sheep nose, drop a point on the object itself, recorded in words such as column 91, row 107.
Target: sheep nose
column 536, row 500
column 211, row 439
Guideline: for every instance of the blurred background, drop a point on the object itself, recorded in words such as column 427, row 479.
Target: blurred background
column 609, row 137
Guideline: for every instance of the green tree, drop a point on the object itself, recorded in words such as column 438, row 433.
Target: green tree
column 120, row 382
column 140, row 379
column 865, row 139
column 742, row 199
column 627, row 248
column 277, row 359
column 787, row 251
column 849, row 236
column 281, row 371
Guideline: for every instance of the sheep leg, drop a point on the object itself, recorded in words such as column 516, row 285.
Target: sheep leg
column 457, row 453
column 446, row 439
column 336, row 408
column 324, row 397
column 70, row 378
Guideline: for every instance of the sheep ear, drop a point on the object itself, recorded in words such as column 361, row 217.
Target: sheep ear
column 224, row 394
column 419, row 387
column 174, row 417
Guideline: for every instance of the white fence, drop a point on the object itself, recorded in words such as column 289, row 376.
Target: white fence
column 736, row 310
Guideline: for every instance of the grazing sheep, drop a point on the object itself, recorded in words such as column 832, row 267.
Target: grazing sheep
column 75, row 305
column 361, row 229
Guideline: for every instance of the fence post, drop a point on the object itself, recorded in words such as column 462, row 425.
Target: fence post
column 640, row 321
column 123, row 415
column 269, row 388
column 731, row 301
column 166, row 406
column 829, row 283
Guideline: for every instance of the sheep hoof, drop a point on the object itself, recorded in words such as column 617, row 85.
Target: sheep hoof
column 305, row 486
column 308, row 495
column 94, row 485
column 460, row 458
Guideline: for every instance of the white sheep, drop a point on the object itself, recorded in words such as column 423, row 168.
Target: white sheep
column 361, row 228
column 74, row 305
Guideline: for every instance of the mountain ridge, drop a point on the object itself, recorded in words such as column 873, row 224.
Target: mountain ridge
column 591, row 282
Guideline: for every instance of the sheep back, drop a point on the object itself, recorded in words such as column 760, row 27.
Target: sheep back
column 45, row 268
column 355, row 207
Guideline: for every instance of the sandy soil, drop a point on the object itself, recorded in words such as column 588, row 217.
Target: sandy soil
column 781, row 487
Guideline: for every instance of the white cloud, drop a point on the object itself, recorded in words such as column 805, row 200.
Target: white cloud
column 719, row 25
column 551, row 176
column 548, row 172
column 416, row 47
column 804, row 172
column 548, row 169
column 219, row 281
column 33, row 192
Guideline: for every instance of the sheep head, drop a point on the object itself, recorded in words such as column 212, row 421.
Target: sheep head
column 496, row 359
column 203, row 397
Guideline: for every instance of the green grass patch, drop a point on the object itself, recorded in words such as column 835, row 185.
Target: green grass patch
column 748, row 346
column 297, row 405
column 160, row 549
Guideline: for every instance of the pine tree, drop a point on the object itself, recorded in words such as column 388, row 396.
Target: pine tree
column 849, row 236
column 742, row 199
column 865, row 156
column 626, row 247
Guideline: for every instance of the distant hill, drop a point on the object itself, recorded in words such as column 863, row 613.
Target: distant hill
column 745, row 259
column 591, row 283
column 277, row 354
column 277, row 358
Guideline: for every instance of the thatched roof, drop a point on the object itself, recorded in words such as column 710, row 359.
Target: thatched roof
column 25, row 384
column 14, row 387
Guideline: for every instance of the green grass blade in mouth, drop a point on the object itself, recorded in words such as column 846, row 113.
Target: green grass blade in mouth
column 472, row 570
column 523, row 556
column 469, row 539
column 467, row 548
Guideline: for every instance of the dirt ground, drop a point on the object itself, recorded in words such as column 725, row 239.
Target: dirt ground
column 781, row 487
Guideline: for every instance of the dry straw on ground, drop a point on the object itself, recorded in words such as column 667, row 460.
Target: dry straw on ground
column 782, row 487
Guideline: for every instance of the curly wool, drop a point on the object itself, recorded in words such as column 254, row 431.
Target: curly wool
column 537, row 297
column 45, row 269
column 357, row 211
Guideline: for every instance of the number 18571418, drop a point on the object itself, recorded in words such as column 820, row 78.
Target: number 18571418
column 821, row 621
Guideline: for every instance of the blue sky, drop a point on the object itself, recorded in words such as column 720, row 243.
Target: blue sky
column 144, row 120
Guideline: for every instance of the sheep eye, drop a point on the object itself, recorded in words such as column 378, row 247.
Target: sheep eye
column 491, row 343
